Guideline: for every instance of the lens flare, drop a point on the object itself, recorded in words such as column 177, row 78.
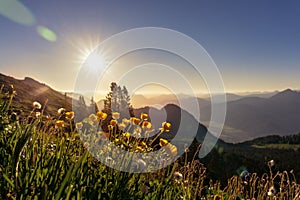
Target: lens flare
column 16, row 12
column 46, row 33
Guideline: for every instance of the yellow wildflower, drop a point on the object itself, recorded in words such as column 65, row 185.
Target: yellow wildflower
column 101, row 115
column 166, row 126
column 143, row 144
column 93, row 117
column 79, row 125
column 69, row 115
column 113, row 122
column 146, row 125
column 126, row 135
column 163, row 142
column 144, row 116
column 60, row 123
column 115, row 115
column 171, row 149
column 125, row 121
column 135, row 120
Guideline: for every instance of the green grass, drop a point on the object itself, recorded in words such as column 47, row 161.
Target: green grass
column 39, row 160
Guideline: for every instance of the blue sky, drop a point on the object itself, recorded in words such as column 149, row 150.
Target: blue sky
column 255, row 44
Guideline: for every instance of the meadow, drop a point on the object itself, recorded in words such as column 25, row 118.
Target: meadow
column 44, row 157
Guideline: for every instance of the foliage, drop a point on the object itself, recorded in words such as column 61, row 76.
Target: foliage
column 44, row 158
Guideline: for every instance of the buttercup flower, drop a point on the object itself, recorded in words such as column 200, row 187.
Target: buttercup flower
column 113, row 122
column 125, row 121
column 115, row 115
column 93, row 118
column 135, row 120
column 60, row 123
column 69, row 115
column 144, row 116
column 122, row 126
column 126, row 135
column 79, row 125
column 171, row 149
column 163, row 142
column 36, row 105
column 146, row 125
column 143, row 144
column 165, row 126
column 101, row 115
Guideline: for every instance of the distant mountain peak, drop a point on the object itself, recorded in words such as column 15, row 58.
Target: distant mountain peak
column 286, row 93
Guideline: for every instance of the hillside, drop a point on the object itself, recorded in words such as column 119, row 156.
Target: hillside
column 30, row 90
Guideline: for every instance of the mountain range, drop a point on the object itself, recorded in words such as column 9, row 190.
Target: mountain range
column 247, row 117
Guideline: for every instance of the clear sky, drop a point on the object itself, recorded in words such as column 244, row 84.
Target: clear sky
column 255, row 44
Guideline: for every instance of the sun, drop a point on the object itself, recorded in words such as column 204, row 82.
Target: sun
column 95, row 61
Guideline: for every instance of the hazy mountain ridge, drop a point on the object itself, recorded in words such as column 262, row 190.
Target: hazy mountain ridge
column 30, row 90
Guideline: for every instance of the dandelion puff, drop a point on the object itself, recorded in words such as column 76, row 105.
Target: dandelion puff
column 271, row 163
column 61, row 111
column 36, row 105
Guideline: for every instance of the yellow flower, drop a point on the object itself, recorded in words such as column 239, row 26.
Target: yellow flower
column 101, row 115
column 110, row 127
column 93, row 117
column 163, row 142
column 113, row 122
column 139, row 149
column 60, row 123
column 144, row 116
column 218, row 197
column 143, row 144
column 146, row 125
column 106, row 134
column 122, row 126
column 79, row 125
column 125, row 121
column 69, row 115
column 171, row 149
column 135, row 120
column 126, row 135
column 166, row 126
column 115, row 115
